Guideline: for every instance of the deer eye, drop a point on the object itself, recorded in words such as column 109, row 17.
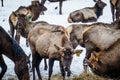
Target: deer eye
column 20, row 24
column 99, row 62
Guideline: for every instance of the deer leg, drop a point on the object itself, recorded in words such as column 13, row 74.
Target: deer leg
column 45, row 62
column 87, row 56
column 60, row 7
column 2, row 3
column 90, row 47
column 3, row 66
column 117, row 14
column 62, row 70
column 38, row 60
column 27, row 43
column 85, row 64
column 43, row 2
column 34, row 57
column 112, row 10
column 69, row 72
column 51, row 63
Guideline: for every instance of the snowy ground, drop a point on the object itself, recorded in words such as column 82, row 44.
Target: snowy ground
column 51, row 16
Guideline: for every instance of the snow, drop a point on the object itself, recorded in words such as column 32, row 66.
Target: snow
column 51, row 16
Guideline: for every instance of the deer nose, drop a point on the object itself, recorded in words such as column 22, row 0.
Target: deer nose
column 19, row 24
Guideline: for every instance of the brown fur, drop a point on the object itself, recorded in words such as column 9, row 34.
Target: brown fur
column 76, row 31
column 23, row 27
column 32, row 11
column 107, row 63
column 37, row 35
column 113, row 1
column 36, row 11
column 99, row 39
column 88, row 14
column 52, row 45
column 13, row 51
column 99, row 36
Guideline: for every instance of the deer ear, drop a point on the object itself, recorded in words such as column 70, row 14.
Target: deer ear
column 96, row 56
column 58, row 47
column 92, row 57
column 96, row 0
column 14, row 13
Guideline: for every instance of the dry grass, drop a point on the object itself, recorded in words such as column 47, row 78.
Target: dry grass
column 88, row 76
column 10, row 77
column 82, row 76
column 55, row 77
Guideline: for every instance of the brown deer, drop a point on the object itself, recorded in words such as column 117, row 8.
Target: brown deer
column 54, row 45
column 88, row 14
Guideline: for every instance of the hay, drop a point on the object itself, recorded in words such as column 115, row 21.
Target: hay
column 88, row 76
